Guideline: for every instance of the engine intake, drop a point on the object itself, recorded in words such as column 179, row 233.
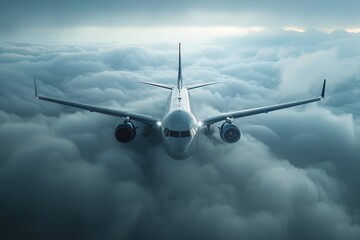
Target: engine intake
column 125, row 132
column 229, row 132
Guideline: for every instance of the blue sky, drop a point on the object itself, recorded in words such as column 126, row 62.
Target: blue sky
column 292, row 175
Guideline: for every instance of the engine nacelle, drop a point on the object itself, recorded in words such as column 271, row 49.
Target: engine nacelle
column 125, row 132
column 229, row 132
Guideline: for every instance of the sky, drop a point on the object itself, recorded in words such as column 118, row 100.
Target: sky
column 292, row 175
column 141, row 20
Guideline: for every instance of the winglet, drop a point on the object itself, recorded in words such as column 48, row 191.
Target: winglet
column 36, row 89
column 323, row 90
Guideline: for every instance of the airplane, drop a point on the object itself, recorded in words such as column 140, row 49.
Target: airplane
column 179, row 128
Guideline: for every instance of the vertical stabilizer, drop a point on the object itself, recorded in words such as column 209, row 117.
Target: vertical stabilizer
column 179, row 81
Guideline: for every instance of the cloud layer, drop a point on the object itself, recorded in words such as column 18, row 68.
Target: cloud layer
column 293, row 175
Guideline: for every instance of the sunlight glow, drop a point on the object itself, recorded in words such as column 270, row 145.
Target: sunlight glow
column 294, row 28
column 353, row 30
column 188, row 34
column 143, row 34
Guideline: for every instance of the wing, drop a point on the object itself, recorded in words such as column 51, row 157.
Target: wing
column 112, row 112
column 253, row 111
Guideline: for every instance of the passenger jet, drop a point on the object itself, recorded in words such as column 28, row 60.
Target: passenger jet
column 179, row 128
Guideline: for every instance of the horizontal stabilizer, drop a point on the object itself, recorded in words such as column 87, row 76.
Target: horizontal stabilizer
column 158, row 85
column 200, row 85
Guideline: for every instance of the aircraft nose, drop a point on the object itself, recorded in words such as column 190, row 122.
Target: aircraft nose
column 179, row 149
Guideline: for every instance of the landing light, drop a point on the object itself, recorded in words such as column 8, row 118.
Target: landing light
column 200, row 124
column 158, row 123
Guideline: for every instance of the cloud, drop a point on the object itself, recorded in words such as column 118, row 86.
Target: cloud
column 291, row 176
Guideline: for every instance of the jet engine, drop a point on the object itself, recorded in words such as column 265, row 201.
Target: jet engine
column 229, row 132
column 125, row 132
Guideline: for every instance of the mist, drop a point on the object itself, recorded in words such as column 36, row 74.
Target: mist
column 292, row 175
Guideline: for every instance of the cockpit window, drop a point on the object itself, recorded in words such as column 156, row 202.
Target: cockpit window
column 166, row 132
column 185, row 134
column 179, row 134
column 174, row 134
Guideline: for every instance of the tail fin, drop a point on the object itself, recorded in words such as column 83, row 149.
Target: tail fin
column 179, row 81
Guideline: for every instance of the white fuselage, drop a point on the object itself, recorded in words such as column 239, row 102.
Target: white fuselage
column 179, row 128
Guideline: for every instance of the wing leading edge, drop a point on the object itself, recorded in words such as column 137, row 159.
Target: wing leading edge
column 108, row 111
column 253, row 111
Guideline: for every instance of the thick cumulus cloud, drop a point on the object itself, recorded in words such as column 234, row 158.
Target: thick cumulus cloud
column 293, row 175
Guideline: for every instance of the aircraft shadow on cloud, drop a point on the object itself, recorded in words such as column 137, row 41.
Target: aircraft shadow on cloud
column 179, row 128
